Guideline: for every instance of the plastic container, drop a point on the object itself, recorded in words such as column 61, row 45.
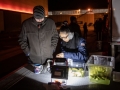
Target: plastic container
column 76, row 69
column 100, row 68
column 76, row 72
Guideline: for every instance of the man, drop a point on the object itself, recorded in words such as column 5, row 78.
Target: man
column 74, row 27
column 72, row 46
column 99, row 27
column 39, row 37
column 85, row 29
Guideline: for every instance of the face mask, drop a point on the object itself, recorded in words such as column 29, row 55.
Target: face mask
column 70, row 35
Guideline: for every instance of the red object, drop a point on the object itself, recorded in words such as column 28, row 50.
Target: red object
column 15, row 6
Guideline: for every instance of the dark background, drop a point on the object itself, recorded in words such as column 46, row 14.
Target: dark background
column 56, row 5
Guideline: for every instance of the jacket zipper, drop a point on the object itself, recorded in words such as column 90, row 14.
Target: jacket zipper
column 39, row 40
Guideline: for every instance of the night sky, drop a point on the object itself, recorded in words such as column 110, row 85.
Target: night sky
column 57, row 5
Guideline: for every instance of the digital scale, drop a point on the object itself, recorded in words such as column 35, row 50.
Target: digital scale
column 59, row 72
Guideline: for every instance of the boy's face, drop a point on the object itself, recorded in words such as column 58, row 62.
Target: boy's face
column 64, row 36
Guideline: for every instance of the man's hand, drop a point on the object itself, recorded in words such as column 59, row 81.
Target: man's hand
column 60, row 55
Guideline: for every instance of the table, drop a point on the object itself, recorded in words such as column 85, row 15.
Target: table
column 25, row 79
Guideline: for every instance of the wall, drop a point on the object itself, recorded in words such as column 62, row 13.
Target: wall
column 25, row 16
column 14, row 12
column 1, row 21
column 25, row 6
column 12, row 20
column 89, row 18
column 100, row 15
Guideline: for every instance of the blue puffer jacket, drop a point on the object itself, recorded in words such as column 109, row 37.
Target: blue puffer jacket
column 79, row 53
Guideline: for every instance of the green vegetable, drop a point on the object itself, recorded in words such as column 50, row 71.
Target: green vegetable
column 99, row 73
column 76, row 72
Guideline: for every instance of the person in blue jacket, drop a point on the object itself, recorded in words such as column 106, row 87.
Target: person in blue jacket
column 72, row 45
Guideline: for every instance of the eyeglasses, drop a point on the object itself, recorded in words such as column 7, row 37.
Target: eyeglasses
column 64, row 37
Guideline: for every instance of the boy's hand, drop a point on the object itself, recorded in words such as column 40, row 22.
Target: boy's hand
column 60, row 55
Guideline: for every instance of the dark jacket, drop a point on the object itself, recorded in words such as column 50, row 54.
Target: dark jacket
column 38, row 43
column 75, row 49
column 85, row 28
column 74, row 27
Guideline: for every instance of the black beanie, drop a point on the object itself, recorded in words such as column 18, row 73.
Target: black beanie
column 38, row 12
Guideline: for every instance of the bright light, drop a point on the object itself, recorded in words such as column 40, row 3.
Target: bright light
column 89, row 9
column 79, row 11
column 15, row 8
column 46, row 15
column 60, row 12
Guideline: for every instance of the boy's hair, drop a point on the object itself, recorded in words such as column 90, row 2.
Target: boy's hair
column 64, row 28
